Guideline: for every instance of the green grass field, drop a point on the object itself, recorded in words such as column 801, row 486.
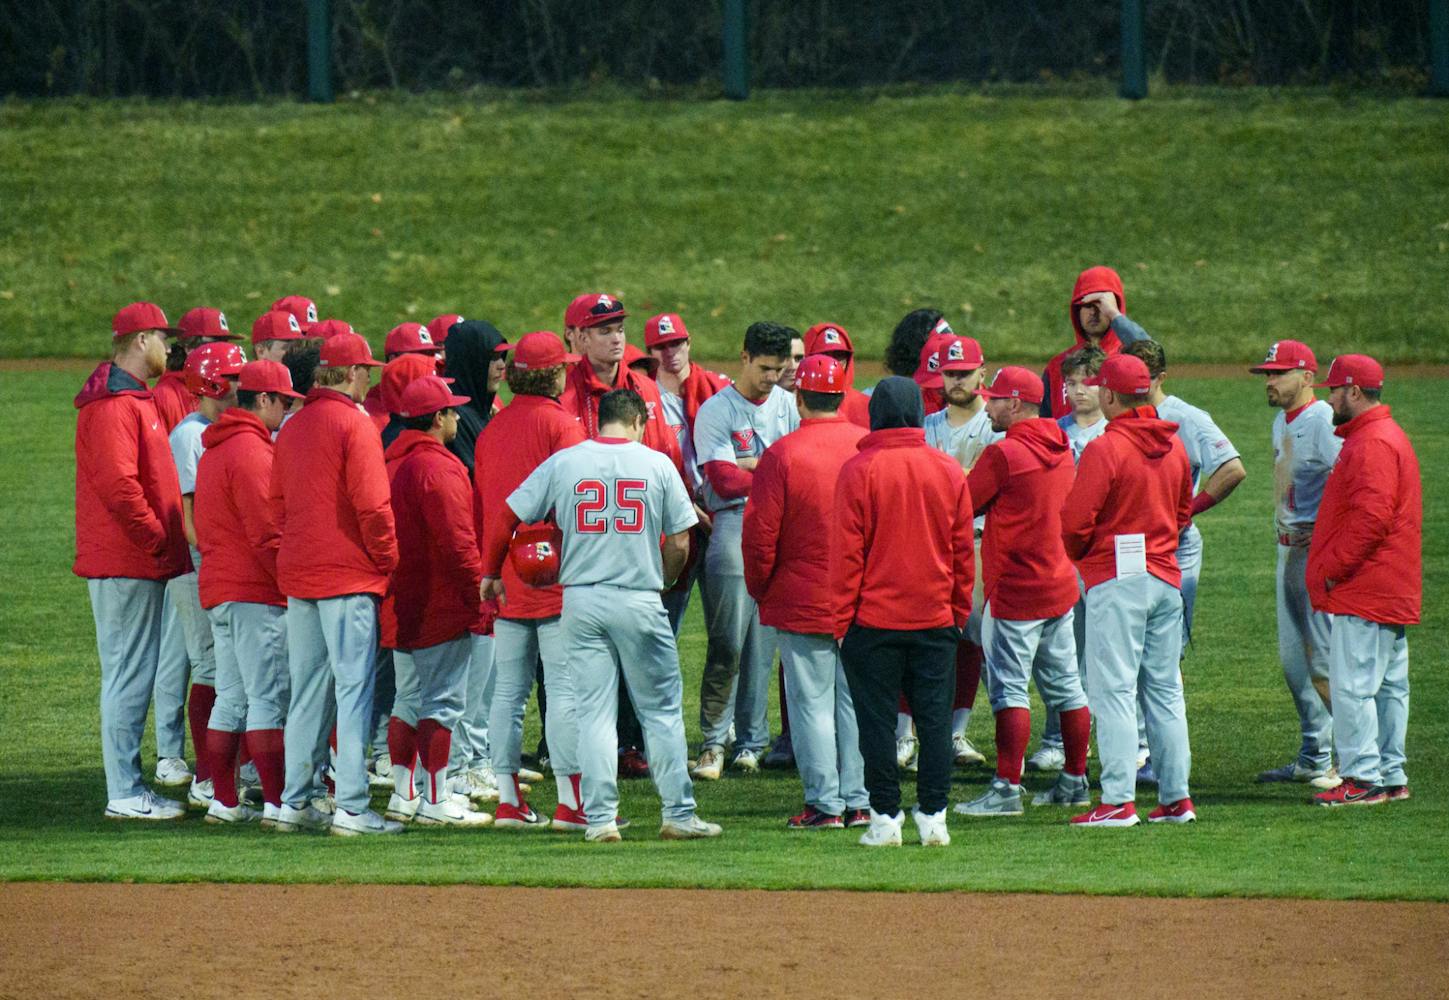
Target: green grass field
column 1251, row 840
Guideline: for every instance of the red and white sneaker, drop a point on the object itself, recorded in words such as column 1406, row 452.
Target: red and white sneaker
column 857, row 817
column 1109, row 815
column 814, row 819
column 1180, row 811
column 1351, row 793
column 1397, row 793
column 519, row 817
column 565, row 818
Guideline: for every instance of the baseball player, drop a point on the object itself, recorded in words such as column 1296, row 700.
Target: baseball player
column 476, row 364
column 516, row 442
column 909, row 338
column 1304, row 450
column 302, row 309
column 901, row 568
column 338, row 549
column 1098, row 311
column 832, row 339
column 236, row 533
column 1120, row 523
column 733, row 428
column 787, row 571
column 1030, row 590
column 1365, row 568
column 273, row 333
column 613, row 498
column 440, row 327
column 435, row 589
column 928, row 372
column 792, row 361
column 129, row 542
column 405, row 338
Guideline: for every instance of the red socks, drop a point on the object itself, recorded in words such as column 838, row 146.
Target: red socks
column 269, row 754
column 198, row 714
column 434, row 744
column 968, row 674
column 1076, row 731
column 1013, row 731
column 221, row 750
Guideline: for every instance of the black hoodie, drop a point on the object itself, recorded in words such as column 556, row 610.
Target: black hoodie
column 470, row 345
column 896, row 402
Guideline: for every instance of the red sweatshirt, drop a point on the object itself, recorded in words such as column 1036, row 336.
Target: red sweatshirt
column 581, row 397
column 827, row 338
column 1368, row 539
column 127, row 496
column 330, row 494
column 787, row 568
column 1132, row 480
column 903, row 557
column 373, row 404
column 435, row 587
column 515, row 442
column 173, row 402
column 236, row 527
column 696, row 388
column 1021, row 482
column 1093, row 279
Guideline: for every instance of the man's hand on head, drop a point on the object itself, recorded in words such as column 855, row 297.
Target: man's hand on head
column 1105, row 302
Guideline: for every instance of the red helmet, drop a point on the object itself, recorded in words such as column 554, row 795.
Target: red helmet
column 821, row 373
column 208, row 365
column 535, row 554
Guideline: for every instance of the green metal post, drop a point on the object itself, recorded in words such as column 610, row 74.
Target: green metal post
column 736, row 55
column 1439, row 48
column 1134, row 62
column 319, row 51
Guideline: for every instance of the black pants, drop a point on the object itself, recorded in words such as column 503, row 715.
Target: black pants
column 880, row 666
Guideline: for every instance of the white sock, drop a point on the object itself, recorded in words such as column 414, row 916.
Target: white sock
column 960, row 719
column 402, row 781
column 565, row 785
column 508, row 794
column 437, row 784
column 903, row 725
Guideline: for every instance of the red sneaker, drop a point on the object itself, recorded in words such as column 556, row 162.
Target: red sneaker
column 632, row 764
column 1180, row 811
column 1397, row 793
column 857, row 817
column 814, row 819
column 519, row 817
column 1109, row 815
column 1351, row 793
column 565, row 818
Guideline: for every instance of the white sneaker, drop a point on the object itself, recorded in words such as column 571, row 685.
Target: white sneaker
column 1328, row 780
column 172, row 772
column 693, row 828
column 478, row 784
column 450, row 813
column 907, row 749
column 324, row 804
column 530, row 776
column 270, row 814
column 401, row 809
column 606, row 834
column 363, row 824
column 932, row 828
column 964, row 753
column 1047, row 759
column 201, row 794
column 239, row 813
column 379, row 772
column 710, row 765
column 146, row 806
column 884, row 831
column 309, row 817
column 1141, row 757
column 747, row 761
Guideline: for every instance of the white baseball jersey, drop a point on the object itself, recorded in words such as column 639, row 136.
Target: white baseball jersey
column 675, row 417
column 965, row 443
column 186, row 449
column 729, row 427
column 612, row 500
column 1303, row 454
column 1078, row 436
column 1207, row 447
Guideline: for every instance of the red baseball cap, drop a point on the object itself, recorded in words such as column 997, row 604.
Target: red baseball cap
column 267, row 376
column 425, row 395
column 204, row 322
column 1014, row 382
column 594, row 309
column 1353, row 369
column 343, row 349
column 1287, row 356
column 140, row 316
column 276, row 325
column 633, row 357
column 821, row 373
column 928, row 373
column 409, row 338
column 666, row 328
column 540, row 349
column 1124, row 374
column 828, row 337
column 439, row 326
column 959, row 354
column 299, row 306
column 329, row 328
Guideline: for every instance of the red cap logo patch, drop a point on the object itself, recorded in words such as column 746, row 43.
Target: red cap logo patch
column 831, row 336
column 666, row 325
column 943, row 327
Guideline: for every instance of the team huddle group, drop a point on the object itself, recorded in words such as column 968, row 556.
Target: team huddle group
column 348, row 588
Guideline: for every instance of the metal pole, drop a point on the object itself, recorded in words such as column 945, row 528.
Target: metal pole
column 1439, row 48
column 319, row 51
column 1134, row 63
column 736, row 55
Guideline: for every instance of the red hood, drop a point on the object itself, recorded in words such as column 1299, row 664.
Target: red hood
column 815, row 343
column 1043, row 439
column 409, row 442
column 107, row 381
column 401, row 372
column 1095, row 279
column 235, row 422
column 1148, row 434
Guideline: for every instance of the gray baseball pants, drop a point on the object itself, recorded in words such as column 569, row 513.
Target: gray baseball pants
column 735, row 686
column 251, row 666
column 822, row 723
column 470, row 737
column 518, row 645
column 187, row 655
column 1303, row 644
column 128, row 614
column 1017, row 651
column 1368, row 674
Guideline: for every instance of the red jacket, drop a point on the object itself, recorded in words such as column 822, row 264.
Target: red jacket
column 581, row 397
column 1368, row 538
column 127, row 496
column 829, row 338
column 515, row 442
column 236, row 527
column 696, row 388
column 1021, row 482
column 904, row 556
column 330, row 494
column 376, row 409
column 786, row 534
column 435, row 587
column 1134, row 479
column 856, row 408
column 1093, row 279
column 173, row 401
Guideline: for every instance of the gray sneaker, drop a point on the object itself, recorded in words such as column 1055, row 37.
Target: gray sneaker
column 693, row 828
column 1068, row 790
column 1001, row 799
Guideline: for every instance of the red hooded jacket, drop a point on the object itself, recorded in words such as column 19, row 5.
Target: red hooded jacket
column 515, row 442
column 127, row 496
column 330, row 494
column 581, row 397
column 786, row 544
column 375, row 407
column 1368, row 539
column 903, row 557
column 435, row 587
column 236, row 527
column 173, row 401
column 1132, row 480
column 698, row 386
column 1021, row 482
column 827, row 338
column 1093, row 279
